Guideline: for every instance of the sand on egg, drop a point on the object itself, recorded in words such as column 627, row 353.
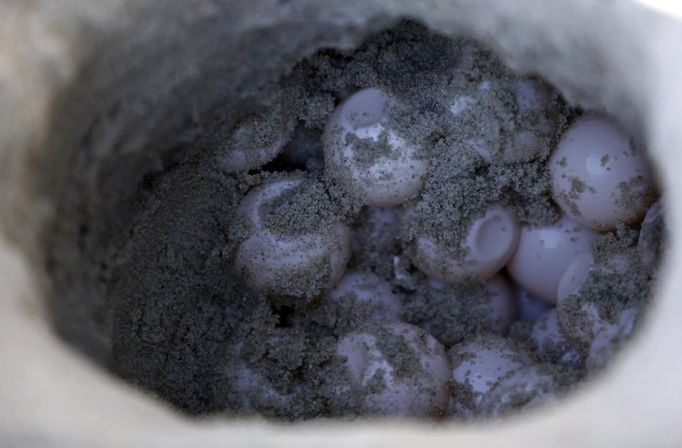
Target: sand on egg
column 189, row 329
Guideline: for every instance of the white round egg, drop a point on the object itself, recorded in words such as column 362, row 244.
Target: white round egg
column 502, row 305
column 577, row 272
column 544, row 253
column 581, row 320
column 453, row 313
column 367, row 156
column 369, row 291
column 600, row 178
column 529, row 307
column 251, row 391
column 394, row 369
column 548, row 340
column 523, row 388
column 582, row 325
column 254, row 392
column 574, row 276
column 488, row 245
column 609, row 338
column 272, row 262
column 255, row 141
column 477, row 365
column 511, row 120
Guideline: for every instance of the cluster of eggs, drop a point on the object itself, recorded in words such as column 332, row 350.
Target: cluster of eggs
column 600, row 179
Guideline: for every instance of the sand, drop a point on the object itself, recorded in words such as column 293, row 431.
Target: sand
column 189, row 331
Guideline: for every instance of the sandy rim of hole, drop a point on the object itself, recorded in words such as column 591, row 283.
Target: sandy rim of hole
column 53, row 396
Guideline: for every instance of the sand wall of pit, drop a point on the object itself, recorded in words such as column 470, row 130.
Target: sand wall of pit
column 95, row 96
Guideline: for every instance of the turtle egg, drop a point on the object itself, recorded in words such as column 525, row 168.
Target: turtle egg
column 529, row 307
column 502, row 305
column 526, row 387
column 488, row 245
column 394, row 368
column 576, row 273
column 477, row 365
column 574, row 276
column 366, row 154
column 370, row 291
column 581, row 319
column 600, row 178
column 251, row 389
column 453, row 313
column 548, row 340
column 508, row 120
column 609, row 337
column 274, row 262
column 253, row 143
column 544, row 253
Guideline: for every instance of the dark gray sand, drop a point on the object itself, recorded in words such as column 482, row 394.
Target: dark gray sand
column 189, row 331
